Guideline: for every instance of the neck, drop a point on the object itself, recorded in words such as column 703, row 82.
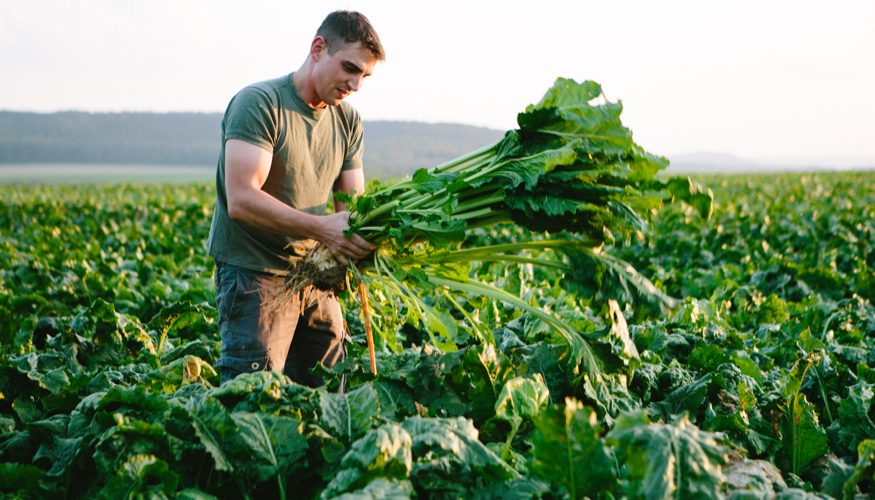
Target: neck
column 304, row 84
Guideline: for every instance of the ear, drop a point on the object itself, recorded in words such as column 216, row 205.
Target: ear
column 318, row 47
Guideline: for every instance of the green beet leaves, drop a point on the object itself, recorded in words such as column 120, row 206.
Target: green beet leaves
column 571, row 168
column 569, row 451
column 670, row 460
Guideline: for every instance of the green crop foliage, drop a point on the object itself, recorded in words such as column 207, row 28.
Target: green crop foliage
column 757, row 383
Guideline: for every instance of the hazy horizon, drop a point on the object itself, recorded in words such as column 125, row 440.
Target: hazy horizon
column 682, row 158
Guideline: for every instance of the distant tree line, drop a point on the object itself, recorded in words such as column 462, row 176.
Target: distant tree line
column 77, row 137
column 392, row 148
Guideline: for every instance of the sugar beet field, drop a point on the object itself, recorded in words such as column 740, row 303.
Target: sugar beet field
column 759, row 384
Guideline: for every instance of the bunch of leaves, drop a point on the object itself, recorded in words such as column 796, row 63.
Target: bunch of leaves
column 570, row 168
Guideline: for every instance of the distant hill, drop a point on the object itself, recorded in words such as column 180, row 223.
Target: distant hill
column 399, row 148
column 392, row 149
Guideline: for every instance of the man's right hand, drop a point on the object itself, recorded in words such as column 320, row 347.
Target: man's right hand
column 343, row 248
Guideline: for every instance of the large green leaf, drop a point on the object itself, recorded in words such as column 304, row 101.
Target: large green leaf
column 608, row 278
column 193, row 494
column 19, row 477
column 804, row 439
column 610, row 395
column 669, row 461
column 276, row 445
column 248, row 383
column 748, row 478
column 566, row 113
column 140, row 476
column 482, row 374
column 707, row 358
column 843, row 480
column 687, row 398
column 381, row 489
column 521, row 488
column 118, row 444
column 855, row 424
column 381, row 453
column 547, row 361
column 137, row 398
column 217, row 432
column 178, row 315
column 350, row 415
column 568, row 94
column 424, row 182
column 443, row 233
column 689, row 191
column 569, row 452
column 61, row 453
column 27, row 410
column 434, row 437
column 522, row 398
column 840, row 474
column 528, row 169
column 430, row 387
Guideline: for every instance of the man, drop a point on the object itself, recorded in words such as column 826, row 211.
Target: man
column 288, row 144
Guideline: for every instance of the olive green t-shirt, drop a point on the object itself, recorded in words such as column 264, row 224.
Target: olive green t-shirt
column 310, row 148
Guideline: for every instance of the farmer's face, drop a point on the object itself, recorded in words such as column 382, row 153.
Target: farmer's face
column 340, row 74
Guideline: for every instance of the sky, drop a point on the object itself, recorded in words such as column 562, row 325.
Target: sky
column 765, row 80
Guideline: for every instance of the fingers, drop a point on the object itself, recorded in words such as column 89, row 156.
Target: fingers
column 342, row 260
column 362, row 243
column 357, row 252
column 343, row 248
column 346, row 249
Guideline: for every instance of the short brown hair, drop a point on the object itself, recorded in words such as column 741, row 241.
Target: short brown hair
column 342, row 27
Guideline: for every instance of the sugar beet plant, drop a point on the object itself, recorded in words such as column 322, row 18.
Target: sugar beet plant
column 571, row 171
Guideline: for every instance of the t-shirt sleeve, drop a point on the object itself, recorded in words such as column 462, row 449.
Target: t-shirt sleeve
column 252, row 117
column 355, row 148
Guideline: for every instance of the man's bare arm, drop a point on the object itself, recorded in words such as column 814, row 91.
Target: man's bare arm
column 246, row 170
column 348, row 181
